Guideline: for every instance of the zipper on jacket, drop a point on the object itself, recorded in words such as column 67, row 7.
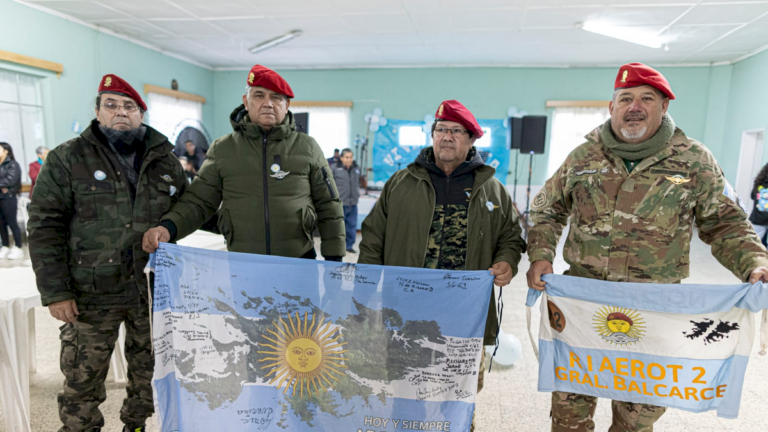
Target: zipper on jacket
column 266, row 193
column 328, row 182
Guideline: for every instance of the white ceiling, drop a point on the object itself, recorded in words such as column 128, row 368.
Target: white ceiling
column 385, row 33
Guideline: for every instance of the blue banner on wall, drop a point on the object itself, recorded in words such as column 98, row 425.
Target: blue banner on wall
column 389, row 155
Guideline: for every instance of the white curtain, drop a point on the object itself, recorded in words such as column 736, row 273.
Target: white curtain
column 569, row 127
column 21, row 117
column 329, row 126
column 166, row 112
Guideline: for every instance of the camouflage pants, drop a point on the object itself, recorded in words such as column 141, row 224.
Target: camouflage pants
column 86, row 348
column 574, row 413
column 480, row 382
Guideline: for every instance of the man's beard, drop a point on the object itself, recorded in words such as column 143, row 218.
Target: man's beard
column 633, row 136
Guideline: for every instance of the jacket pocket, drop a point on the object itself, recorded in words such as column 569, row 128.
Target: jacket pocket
column 69, row 358
column 97, row 271
column 162, row 200
column 225, row 225
column 95, row 200
column 308, row 221
column 664, row 205
column 327, row 179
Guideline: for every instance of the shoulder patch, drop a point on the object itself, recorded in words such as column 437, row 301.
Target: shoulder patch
column 540, row 200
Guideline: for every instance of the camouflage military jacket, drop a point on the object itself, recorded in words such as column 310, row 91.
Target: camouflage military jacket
column 85, row 231
column 636, row 227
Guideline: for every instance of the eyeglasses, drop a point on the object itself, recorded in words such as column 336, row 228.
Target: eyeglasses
column 113, row 107
column 456, row 131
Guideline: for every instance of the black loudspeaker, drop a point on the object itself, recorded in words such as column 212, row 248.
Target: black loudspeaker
column 516, row 132
column 533, row 134
column 302, row 122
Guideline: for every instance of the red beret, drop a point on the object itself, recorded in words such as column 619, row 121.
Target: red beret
column 265, row 77
column 620, row 316
column 637, row 74
column 453, row 110
column 112, row 83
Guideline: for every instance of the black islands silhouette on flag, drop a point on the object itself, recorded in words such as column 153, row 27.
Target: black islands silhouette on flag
column 716, row 335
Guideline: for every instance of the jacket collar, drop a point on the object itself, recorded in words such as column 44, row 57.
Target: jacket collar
column 242, row 123
column 679, row 144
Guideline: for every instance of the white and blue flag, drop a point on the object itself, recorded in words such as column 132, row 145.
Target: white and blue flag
column 673, row 345
column 261, row 343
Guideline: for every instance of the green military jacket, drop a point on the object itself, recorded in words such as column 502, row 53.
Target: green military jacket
column 396, row 232
column 85, row 231
column 636, row 227
column 274, row 188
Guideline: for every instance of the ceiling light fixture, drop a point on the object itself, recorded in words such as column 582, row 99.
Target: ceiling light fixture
column 274, row 42
column 627, row 34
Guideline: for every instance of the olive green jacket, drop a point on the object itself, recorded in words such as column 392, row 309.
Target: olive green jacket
column 85, row 230
column 273, row 188
column 396, row 232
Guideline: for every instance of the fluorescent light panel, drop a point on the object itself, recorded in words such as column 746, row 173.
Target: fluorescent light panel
column 274, row 42
column 627, row 34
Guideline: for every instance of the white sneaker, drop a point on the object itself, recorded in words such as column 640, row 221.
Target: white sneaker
column 15, row 253
column 4, row 251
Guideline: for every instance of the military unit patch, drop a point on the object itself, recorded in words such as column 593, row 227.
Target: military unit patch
column 678, row 179
column 540, row 199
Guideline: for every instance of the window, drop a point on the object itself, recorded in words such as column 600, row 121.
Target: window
column 21, row 117
column 412, row 136
column 329, row 126
column 569, row 127
column 168, row 112
column 485, row 141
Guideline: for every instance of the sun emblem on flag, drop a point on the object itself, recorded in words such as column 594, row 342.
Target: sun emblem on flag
column 621, row 326
column 303, row 355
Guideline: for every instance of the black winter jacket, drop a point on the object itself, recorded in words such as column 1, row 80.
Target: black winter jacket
column 10, row 178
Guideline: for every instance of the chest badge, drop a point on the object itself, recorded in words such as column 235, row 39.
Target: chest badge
column 280, row 174
column 677, row 179
column 275, row 168
column 99, row 175
column 167, row 178
column 490, row 206
column 172, row 190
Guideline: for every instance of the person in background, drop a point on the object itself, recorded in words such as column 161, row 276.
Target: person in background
column 347, row 177
column 195, row 156
column 188, row 170
column 333, row 160
column 759, row 215
column 10, row 186
column 34, row 167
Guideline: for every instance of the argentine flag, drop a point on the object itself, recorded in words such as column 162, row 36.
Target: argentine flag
column 673, row 345
column 246, row 342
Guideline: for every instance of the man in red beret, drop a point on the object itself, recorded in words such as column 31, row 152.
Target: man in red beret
column 447, row 211
column 270, row 183
column 633, row 192
column 94, row 198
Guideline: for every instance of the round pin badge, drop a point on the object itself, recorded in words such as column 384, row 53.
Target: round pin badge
column 275, row 168
column 172, row 190
column 99, row 175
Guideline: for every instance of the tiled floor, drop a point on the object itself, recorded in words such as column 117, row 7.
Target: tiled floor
column 509, row 401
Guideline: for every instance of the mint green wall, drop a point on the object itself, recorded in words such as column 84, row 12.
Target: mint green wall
column 409, row 94
column 87, row 55
column 747, row 109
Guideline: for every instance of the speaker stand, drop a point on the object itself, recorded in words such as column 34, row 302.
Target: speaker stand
column 514, row 190
column 527, row 213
